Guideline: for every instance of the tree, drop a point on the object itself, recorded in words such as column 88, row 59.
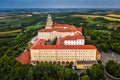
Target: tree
column 104, row 47
column 96, row 72
column 6, row 63
column 85, row 77
column 113, row 68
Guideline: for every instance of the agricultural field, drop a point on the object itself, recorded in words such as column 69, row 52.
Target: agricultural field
column 113, row 15
column 8, row 32
column 96, row 16
column 12, row 26
column 100, row 20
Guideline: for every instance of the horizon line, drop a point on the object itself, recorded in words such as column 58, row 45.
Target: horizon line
column 58, row 8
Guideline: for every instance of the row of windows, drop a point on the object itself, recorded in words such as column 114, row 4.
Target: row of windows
column 73, row 41
column 48, row 51
column 64, row 54
column 80, row 59
column 86, row 67
column 67, row 56
column 54, row 33
column 64, row 57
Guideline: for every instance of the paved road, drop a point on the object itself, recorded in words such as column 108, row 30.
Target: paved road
column 105, row 57
column 79, row 72
column 109, row 56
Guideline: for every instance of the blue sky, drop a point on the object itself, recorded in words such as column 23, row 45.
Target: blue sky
column 59, row 3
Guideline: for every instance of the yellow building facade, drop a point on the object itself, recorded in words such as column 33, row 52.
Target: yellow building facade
column 53, row 54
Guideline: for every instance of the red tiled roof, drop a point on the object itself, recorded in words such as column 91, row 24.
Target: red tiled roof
column 24, row 58
column 39, row 42
column 79, row 29
column 37, row 46
column 73, row 37
column 77, row 34
column 72, row 28
column 69, row 29
column 54, row 29
column 59, row 41
column 61, row 25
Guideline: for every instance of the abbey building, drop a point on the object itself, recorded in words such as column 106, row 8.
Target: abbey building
column 63, row 44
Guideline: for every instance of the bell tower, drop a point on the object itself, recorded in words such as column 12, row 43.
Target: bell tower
column 49, row 22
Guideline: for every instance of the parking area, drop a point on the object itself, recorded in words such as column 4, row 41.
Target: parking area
column 109, row 56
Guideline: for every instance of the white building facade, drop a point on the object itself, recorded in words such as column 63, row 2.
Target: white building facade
column 74, row 42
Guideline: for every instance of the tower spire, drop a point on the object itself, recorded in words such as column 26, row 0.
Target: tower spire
column 49, row 22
